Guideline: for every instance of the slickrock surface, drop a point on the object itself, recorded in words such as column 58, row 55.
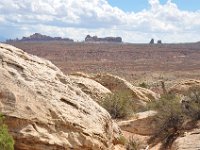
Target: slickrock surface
column 45, row 110
column 184, row 86
column 143, row 124
column 115, row 83
column 189, row 141
column 90, row 87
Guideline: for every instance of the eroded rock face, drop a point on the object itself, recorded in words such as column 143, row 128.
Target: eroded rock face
column 45, row 110
column 190, row 141
column 94, row 89
column 115, row 83
column 184, row 86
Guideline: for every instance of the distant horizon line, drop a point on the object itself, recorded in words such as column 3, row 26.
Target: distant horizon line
column 4, row 40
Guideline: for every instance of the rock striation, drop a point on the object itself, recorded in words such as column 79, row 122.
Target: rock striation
column 44, row 109
column 189, row 141
column 94, row 89
column 115, row 83
column 184, row 86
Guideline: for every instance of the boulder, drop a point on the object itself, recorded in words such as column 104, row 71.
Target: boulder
column 190, row 141
column 44, row 109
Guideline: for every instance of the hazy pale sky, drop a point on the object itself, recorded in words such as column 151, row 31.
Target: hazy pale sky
column 134, row 20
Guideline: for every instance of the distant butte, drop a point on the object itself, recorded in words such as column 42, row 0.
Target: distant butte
column 39, row 37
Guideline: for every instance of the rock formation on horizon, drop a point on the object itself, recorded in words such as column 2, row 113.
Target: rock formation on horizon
column 39, row 37
column 152, row 41
column 159, row 42
column 106, row 39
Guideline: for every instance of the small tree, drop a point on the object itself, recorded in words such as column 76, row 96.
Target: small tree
column 6, row 140
column 191, row 103
column 170, row 119
column 172, row 113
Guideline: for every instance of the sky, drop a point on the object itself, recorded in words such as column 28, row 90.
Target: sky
column 136, row 21
column 138, row 5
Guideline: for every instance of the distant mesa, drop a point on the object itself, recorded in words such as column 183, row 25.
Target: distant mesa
column 103, row 40
column 39, row 37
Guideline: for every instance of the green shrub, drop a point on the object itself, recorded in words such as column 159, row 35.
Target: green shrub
column 191, row 103
column 133, row 144
column 172, row 113
column 121, row 140
column 169, row 117
column 168, row 105
column 6, row 140
column 144, row 85
column 119, row 105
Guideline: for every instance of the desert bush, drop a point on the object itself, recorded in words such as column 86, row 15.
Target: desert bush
column 119, row 104
column 169, row 117
column 172, row 113
column 191, row 103
column 6, row 140
column 168, row 105
column 144, row 85
column 133, row 144
column 121, row 140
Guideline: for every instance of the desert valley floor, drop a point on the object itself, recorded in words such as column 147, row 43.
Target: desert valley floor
column 135, row 62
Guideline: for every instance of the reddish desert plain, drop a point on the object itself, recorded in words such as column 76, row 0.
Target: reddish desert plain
column 135, row 62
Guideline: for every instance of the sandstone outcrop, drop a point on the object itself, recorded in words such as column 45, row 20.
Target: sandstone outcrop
column 143, row 124
column 189, row 141
column 45, row 110
column 90, row 87
column 81, row 74
column 115, row 83
column 184, row 86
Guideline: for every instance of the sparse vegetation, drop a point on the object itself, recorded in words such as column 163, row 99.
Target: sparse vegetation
column 122, row 140
column 133, row 144
column 172, row 113
column 144, row 85
column 119, row 105
column 192, row 103
column 169, row 119
column 6, row 140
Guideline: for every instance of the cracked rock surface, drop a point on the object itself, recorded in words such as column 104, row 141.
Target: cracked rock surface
column 45, row 110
